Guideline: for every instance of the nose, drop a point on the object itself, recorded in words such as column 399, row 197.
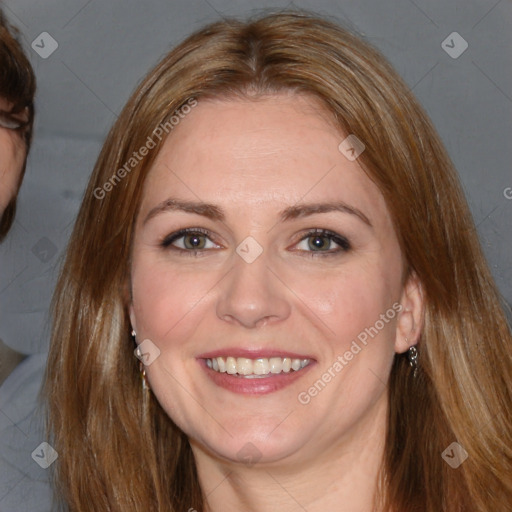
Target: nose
column 252, row 296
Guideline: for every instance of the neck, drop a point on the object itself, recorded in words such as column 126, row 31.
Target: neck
column 343, row 477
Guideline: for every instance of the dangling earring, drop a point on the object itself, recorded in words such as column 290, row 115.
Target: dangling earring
column 412, row 356
column 145, row 385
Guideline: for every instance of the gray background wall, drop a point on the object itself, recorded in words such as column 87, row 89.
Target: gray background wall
column 105, row 48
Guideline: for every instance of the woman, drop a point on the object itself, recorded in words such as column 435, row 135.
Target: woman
column 275, row 225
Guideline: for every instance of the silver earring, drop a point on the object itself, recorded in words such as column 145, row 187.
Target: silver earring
column 145, row 386
column 133, row 333
column 412, row 356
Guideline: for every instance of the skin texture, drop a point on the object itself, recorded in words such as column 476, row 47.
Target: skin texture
column 253, row 159
column 12, row 156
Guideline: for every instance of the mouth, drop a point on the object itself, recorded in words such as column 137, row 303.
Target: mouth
column 256, row 368
column 249, row 373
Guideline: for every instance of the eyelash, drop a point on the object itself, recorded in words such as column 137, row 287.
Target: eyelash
column 10, row 122
column 330, row 235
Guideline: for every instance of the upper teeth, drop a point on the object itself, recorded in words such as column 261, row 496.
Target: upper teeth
column 261, row 366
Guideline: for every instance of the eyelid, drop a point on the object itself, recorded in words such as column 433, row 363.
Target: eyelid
column 176, row 235
column 14, row 121
column 343, row 242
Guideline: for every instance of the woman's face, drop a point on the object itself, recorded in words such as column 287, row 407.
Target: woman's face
column 12, row 157
column 291, row 273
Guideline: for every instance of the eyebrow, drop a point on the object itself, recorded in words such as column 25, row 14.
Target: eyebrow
column 214, row 212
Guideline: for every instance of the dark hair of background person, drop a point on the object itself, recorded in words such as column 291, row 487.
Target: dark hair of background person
column 17, row 86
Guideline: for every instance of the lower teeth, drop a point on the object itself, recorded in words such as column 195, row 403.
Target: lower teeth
column 253, row 376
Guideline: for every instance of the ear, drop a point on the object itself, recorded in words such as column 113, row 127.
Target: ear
column 410, row 318
column 126, row 292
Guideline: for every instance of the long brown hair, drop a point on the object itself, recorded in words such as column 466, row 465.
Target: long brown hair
column 119, row 453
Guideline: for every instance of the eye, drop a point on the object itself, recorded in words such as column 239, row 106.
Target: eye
column 14, row 121
column 189, row 240
column 316, row 242
column 321, row 242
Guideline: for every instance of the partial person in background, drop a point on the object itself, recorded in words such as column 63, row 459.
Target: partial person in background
column 17, row 89
column 24, row 485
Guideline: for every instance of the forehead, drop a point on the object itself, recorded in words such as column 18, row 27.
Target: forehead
column 244, row 153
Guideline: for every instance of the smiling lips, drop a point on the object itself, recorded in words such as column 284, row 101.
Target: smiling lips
column 250, row 373
column 256, row 368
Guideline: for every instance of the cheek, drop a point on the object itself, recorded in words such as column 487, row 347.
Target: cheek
column 11, row 162
column 12, row 152
column 167, row 301
column 354, row 310
column 347, row 301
